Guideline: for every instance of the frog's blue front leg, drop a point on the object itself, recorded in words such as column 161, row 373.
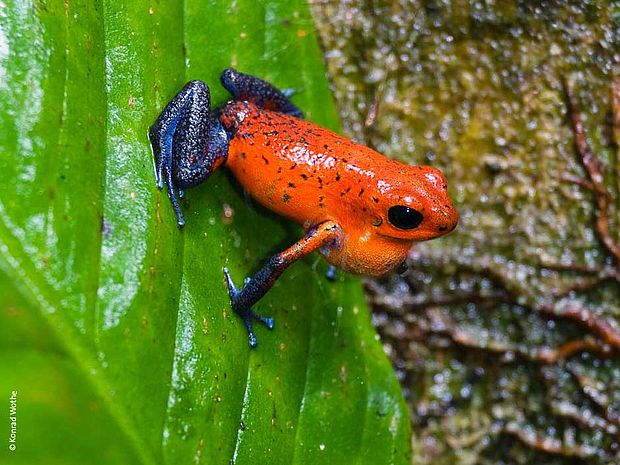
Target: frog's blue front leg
column 188, row 142
column 327, row 234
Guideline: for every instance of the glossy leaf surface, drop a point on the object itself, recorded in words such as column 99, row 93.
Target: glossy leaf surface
column 115, row 327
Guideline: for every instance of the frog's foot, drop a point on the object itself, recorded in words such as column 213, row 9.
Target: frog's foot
column 261, row 93
column 188, row 142
column 241, row 306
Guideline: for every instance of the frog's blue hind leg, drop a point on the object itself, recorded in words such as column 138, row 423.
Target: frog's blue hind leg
column 261, row 93
column 188, row 141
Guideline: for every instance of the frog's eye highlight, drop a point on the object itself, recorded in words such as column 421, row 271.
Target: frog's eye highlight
column 404, row 217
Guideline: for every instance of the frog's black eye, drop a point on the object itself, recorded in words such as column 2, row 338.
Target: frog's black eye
column 404, row 217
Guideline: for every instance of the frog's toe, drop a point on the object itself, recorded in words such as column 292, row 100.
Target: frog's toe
column 330, row 273
column 172, row 195
column 267, row 321
column 248, row 315
column 289, row 92
column 232, row 289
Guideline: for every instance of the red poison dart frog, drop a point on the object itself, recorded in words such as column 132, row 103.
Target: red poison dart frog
column 359, row 209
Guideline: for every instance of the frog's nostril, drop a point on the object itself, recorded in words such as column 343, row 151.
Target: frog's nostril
column 455, row 219
column 449, row 221
column 447, row 227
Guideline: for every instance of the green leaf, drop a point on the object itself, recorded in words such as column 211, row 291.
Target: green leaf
column 115, row 327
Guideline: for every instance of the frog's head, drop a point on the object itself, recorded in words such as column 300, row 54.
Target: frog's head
column 414, row 205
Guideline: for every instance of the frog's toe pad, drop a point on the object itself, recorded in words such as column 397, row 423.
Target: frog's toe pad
column 268, row 322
